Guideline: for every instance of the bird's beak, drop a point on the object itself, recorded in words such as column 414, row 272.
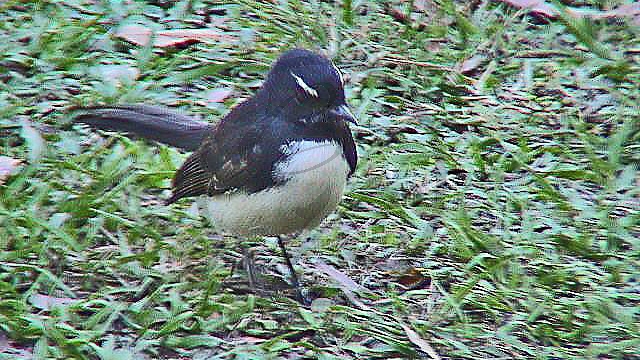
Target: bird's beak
column 344, row 113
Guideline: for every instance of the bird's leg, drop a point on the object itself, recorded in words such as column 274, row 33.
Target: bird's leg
column 249, row 267
column 294, row 276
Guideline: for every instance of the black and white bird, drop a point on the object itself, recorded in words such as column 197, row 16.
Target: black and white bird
column 277, row 164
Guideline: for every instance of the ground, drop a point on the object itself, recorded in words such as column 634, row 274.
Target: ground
column 494, row 213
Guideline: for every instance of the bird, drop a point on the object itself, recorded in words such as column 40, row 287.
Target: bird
column 275, row 165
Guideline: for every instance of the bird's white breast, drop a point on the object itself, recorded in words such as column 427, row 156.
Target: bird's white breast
column 314, row 175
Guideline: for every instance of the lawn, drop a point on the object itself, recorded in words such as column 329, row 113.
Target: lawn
column 494, row 213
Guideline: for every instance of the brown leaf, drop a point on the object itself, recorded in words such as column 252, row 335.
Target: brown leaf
column 8, row 166
column 397, row 14
column 141, row 35
column 411, row 278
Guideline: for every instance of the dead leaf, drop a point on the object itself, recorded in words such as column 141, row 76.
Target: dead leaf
column 218, row 95
column 8, row 166
column 620, row 11
column 34, row 141
column 539, row 7
column 543, row 8
column 626, row 10
column 423, row 5
column 46, row 302
column 472, row 63
column 247, row 340
column 340, row 277
column 321, row 305
column 17, row 349
column 141, row 35
column 136, row 34
column 4, row 342
column 420, row 342
column 118, row 72
column 412, row 278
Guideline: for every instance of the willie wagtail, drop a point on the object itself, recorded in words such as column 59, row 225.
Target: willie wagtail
column 276, row 164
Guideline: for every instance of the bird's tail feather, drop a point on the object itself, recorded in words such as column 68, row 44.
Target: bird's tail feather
column 148, row 122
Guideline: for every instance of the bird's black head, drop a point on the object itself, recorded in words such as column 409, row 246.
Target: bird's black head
column 305, row 85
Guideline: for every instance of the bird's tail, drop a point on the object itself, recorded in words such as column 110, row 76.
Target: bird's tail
column 148, row 122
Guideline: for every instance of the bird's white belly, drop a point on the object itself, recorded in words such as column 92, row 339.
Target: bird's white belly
column 315, row 174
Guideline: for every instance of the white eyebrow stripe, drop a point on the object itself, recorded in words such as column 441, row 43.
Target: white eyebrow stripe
column 308, row 89
column 339, row 73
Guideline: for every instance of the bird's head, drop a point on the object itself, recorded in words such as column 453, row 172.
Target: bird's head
column 306, row 86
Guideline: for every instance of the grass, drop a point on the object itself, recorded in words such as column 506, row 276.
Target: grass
column 494, row 213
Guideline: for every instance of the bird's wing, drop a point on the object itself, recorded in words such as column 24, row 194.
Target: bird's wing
column 234, row 158
column 192, row 179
